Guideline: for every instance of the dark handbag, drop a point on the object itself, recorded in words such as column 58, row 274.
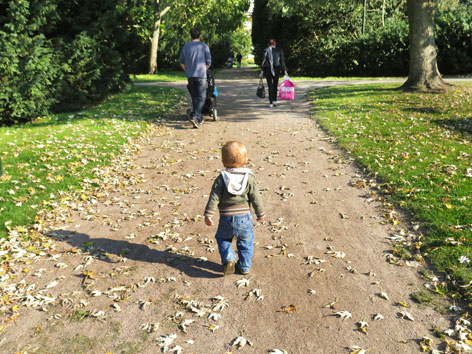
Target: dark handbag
column 261, row 90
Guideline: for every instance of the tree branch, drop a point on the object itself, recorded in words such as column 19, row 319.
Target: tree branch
column 163, row 12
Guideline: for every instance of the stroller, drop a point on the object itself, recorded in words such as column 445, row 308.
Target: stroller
column 210, row 100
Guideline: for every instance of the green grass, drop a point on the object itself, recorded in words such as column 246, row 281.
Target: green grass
column 420, row 145
column 343, row 78
column 164, row 76
column 55, row 153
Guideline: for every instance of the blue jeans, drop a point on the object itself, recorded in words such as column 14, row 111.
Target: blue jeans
column 197, row 89
column 241, row 227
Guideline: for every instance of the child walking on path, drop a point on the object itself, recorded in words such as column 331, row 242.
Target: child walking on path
column 233, row 193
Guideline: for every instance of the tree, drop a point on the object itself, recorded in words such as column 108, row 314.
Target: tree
column 163, row 26
column 158, row 14
column 423, row 68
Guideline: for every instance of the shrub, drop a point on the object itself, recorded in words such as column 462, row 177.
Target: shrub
column 28, row 67
column 58, row 53
column 326, row 39
column 454, row 41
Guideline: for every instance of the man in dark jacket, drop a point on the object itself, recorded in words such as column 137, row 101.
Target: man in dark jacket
column 195, row 59
column 272, row 65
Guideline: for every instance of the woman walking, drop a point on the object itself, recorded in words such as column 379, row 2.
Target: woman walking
column 272, row 65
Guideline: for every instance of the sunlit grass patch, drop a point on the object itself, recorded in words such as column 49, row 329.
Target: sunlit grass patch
column 420, row 144
column 163, row 76
column 343, row 78
column 55, row 153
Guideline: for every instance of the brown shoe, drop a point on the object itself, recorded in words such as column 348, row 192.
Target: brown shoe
column 240, row 271
column 228, row 268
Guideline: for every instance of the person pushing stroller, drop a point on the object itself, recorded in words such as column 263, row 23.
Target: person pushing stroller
column 195, row 59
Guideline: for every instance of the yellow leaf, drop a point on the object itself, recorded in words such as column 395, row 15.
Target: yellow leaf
column 25, row 270
column 288, row 309
column 449, row 206
column 2, row 328
column 21, row 229
column 83, row 197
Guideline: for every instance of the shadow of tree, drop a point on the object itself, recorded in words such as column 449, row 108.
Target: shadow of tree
column 463, row 125
column 143, row 253
column 423, row 110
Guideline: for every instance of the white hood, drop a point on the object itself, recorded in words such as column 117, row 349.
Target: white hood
column 236, row 179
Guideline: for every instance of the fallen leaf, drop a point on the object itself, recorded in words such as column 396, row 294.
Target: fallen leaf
column 344, row 314
column 288, row 309
column 240, row 342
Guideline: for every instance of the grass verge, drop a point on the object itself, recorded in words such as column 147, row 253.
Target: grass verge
column 163, row 76
column 345, row 78
column 57, row 152
column 420, row 145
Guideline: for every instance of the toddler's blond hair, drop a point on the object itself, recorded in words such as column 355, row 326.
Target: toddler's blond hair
column 234, row 154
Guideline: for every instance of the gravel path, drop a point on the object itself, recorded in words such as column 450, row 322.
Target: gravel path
column 135, row 264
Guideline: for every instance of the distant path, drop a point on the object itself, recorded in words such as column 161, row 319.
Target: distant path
column 323, row 242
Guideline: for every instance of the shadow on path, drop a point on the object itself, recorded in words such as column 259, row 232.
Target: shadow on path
column 142, row 253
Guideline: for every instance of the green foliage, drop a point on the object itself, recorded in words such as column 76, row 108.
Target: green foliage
column 322, row 38
column 454, row 41
column 28, row 65
column 420, row 146
column 58, row 52
column 220, row 23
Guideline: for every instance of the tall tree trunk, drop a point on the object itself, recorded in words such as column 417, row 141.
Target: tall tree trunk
column 383, row 13
column 423, row 71
column 158, row 14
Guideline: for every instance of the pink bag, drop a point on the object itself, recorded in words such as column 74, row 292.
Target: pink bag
column 287, row 89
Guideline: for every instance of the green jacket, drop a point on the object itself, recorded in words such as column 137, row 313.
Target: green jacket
column 230, row 204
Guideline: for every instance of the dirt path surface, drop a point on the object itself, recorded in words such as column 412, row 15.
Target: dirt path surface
column 135, row 270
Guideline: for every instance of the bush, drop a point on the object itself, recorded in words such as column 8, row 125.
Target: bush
column 454, row 41
column 58, row 54
column 28, row 68
column 327, row 41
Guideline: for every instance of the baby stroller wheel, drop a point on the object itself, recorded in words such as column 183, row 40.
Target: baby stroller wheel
column 215, row 114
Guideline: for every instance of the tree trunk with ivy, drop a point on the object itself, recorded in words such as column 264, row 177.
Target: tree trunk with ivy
column 423, row 67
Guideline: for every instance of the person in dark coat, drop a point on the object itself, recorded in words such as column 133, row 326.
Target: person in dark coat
column 272, row 65
column 239, row 57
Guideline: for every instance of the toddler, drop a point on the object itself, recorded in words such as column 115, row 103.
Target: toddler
column 233, row 193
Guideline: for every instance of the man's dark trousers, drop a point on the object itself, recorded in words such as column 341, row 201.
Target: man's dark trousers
column 197, row 88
